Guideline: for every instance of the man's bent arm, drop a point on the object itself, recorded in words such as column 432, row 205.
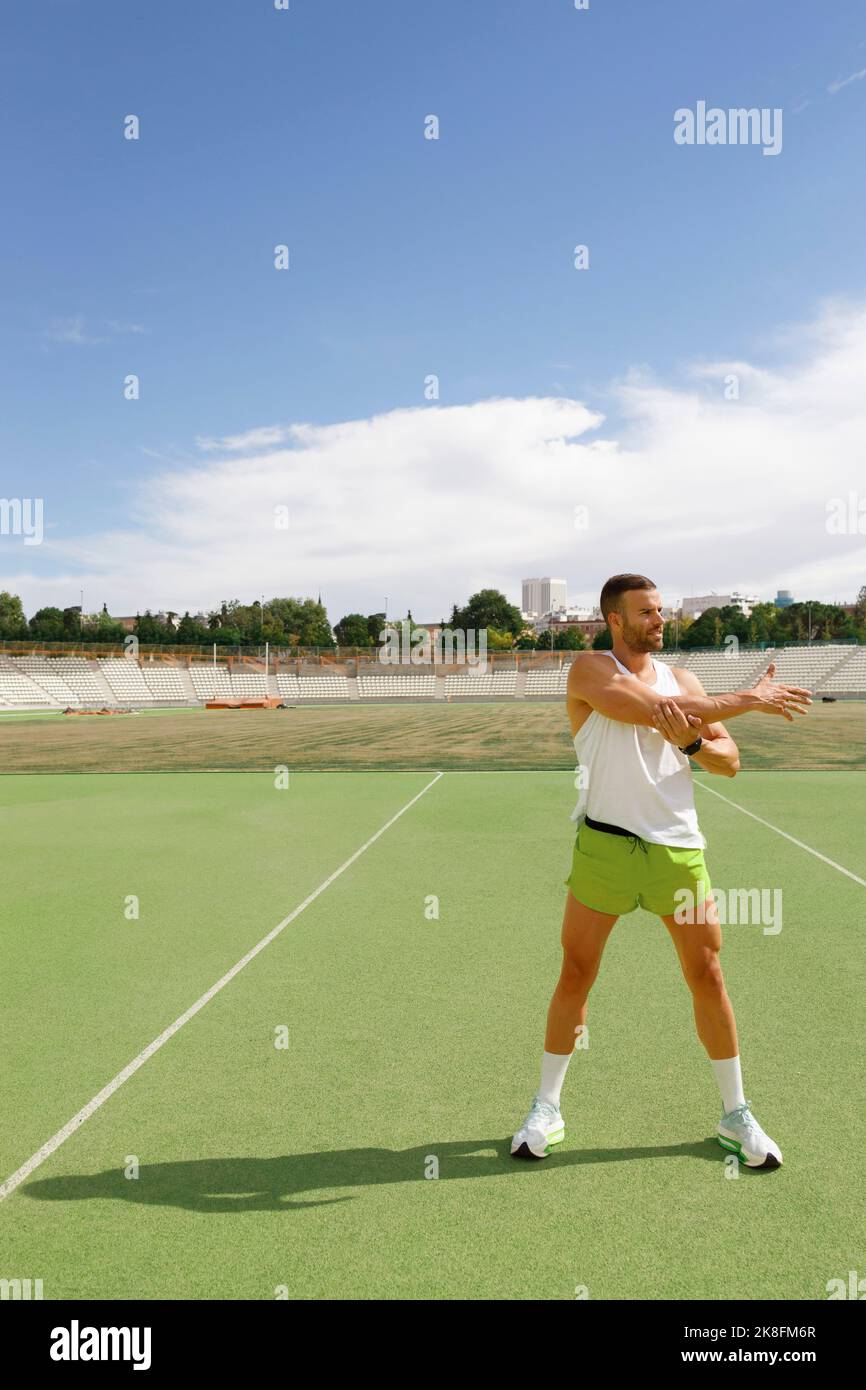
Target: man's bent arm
column 718, row 752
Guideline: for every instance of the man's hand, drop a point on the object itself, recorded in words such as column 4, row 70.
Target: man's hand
column 676, row 727
column 775, row 698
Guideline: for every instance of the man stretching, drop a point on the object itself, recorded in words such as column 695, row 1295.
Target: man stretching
column 635, row 723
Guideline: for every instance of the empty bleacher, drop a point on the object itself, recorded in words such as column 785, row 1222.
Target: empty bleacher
column 211, row 682
column 405, row 685
column 18, row 691
column 126, row 681
column 812, row 667
column 314, row 687
column 809, row 666
column 249, row 685
column 164, row 683
column 849, row 676
column 496, row 684
column 46, row 682
column 287, row 686
column 66, row 680
column 547, row 682
column 43, row 673
column 718, row 671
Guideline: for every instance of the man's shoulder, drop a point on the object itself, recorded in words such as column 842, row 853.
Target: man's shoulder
column 687, row 678
column 589, row 657
column 586, row 661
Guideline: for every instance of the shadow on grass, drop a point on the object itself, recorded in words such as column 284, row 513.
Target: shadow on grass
column 274, row 1184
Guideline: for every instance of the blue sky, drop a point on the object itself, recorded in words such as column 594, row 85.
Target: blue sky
column 411, row 257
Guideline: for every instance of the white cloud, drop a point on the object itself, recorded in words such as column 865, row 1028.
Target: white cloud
column 69, row 330
column 837, row 86
column 428, row 504
column 72, row 330
column 262, row 438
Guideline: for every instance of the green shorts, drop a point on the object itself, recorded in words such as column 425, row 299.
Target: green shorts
column 612, row 873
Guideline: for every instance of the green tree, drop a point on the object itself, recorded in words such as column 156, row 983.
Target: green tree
column 764, row 621
column 190, row 633
column 12, row 620
column 569, row 640
column 714, row 625
column 151, row 632
column 487, row 608
column 71, row 623
column 101, row 627
column 353, row 631
column 827, row 621
column 247, row 618
column 47, row 625
column 499, row 641
column 304, row 621
column 602, row 641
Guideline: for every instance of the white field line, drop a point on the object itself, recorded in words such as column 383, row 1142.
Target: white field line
column 105, row 1094
column 783, row 833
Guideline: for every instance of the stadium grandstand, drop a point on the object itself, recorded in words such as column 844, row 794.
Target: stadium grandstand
column 89, row 680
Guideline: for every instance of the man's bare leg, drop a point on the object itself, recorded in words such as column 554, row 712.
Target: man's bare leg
column 584, row 934
column 698, row 945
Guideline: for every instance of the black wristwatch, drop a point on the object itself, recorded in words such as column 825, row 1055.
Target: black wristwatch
column 693, row 747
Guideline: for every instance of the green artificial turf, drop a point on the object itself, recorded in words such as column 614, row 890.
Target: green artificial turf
column 413, row 1042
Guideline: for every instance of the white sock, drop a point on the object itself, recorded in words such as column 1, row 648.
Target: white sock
column 553, row 1068
column 730, row 1082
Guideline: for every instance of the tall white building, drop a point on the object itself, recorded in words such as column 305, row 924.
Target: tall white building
column 542, row 596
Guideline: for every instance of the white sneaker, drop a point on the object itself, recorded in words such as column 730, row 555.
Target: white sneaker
column 740, row 1133
column 541, row 1130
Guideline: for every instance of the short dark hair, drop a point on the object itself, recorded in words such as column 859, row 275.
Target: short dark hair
column 614, row 589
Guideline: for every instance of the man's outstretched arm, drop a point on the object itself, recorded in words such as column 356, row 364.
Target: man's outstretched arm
column 594, row 680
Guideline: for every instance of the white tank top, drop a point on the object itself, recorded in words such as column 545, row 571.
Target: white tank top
column 631, row 776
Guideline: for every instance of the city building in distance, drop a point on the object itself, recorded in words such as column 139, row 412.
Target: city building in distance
column 543, row 596
column 696, row 605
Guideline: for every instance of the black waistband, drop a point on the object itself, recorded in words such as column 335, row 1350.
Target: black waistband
column 610, row 829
